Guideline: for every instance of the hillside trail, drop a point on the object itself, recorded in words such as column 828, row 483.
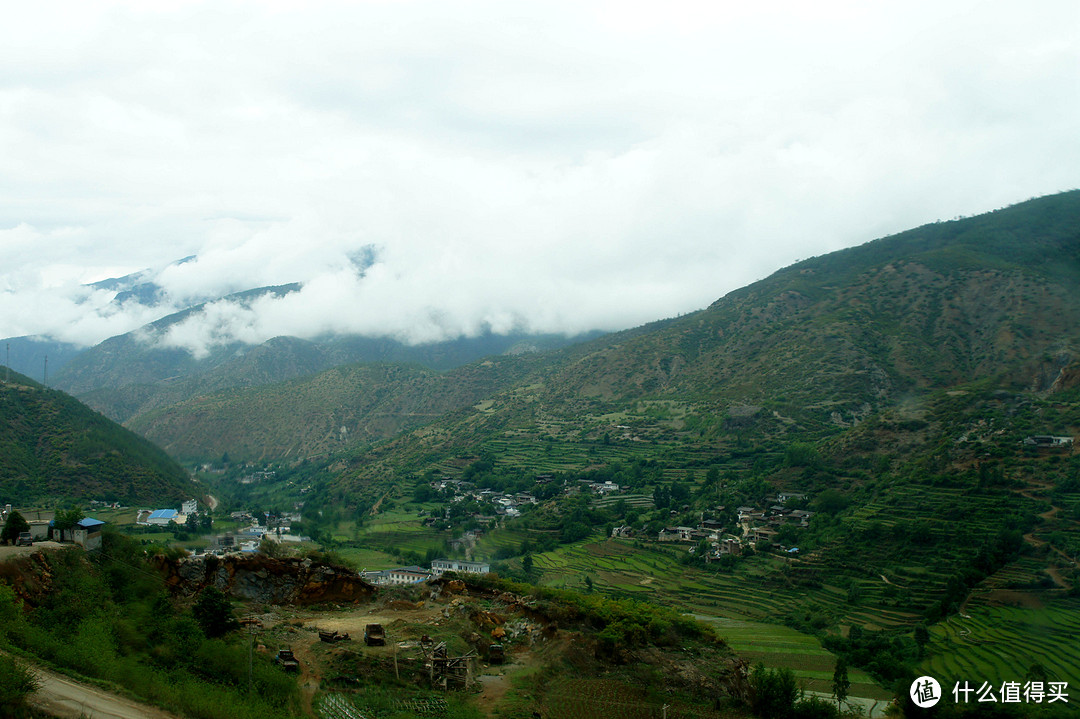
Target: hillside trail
column 1034, row 492
column 495, row 686
column 309, row 679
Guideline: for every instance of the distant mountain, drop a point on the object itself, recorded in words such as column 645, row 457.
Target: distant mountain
column 37, row 356
column 52, row 446
column 130, row 375
column 811, row 350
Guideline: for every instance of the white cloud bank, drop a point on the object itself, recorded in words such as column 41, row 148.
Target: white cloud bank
column 541, row 166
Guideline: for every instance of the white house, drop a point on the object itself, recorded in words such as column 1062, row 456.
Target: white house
column 438, row 566
column 401, row 575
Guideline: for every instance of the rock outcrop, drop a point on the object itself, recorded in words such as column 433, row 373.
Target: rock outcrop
column 260, row 578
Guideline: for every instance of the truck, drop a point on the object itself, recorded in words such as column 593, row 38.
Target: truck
column 374, row 635
column 496, row 654
column 287, row 660
column 25, row 539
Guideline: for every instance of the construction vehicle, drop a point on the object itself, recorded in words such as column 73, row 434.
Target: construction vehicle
column 496, row 654
column 331, row 637
column 287, row 660
column 374, row 635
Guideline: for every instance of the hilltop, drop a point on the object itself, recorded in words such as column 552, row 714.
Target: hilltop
column 53, row 446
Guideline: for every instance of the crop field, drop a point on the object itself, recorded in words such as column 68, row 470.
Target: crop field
column 777, row 646
column 760, row 592
column 396, row 528
column 590, row 698
column 1000, row 639
column 370, row 559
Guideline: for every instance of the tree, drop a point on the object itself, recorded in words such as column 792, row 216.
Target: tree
column 65, row 519
column 14, row 525
column 213, row 612
column 773, row 692
column 527, row 565
column 840, row 683
column 922, row 637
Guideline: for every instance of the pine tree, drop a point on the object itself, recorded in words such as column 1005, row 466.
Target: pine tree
column 840, row 682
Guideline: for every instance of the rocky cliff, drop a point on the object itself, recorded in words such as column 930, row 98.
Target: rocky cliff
column 264, row 579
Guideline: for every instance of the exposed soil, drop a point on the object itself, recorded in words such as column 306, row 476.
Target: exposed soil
column 353, row 621
column 1013, row 598
column 494, row 689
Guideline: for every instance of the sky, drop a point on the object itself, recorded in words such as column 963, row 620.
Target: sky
column 433, row 169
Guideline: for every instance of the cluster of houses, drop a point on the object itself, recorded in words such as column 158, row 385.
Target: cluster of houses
column 1046, row 441
column 762, row 525
column 755, row 525
column 587, row 485
column 250, row 536
column 414, row 574
column 505, row 503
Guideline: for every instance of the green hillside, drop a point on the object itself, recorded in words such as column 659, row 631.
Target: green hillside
column 52, row 446
column 333, row 411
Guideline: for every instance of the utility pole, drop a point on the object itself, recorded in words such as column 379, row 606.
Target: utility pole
column 45, row 378
column 7, row 364
column 251, row 652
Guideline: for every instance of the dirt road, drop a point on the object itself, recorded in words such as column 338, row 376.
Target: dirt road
column 66, row 698
column 7, row 552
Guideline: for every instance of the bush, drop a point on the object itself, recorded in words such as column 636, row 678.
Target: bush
column 773, row 692
column 16, row 682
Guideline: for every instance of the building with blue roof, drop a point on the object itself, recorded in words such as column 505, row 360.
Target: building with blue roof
column 87, row 533
column 162, row 516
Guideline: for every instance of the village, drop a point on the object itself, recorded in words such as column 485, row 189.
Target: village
column 463, row 510
column 711, row 538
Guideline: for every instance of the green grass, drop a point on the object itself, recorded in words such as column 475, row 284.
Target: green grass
column 368, row 559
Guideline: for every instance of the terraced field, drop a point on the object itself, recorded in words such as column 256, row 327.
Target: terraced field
column 1002, row 636
column 762, row 591
column 395, row 529
column 745, row 607
column 777, row 646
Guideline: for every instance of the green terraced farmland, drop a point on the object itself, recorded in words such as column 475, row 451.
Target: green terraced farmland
column 778, row 646
column 996, row 643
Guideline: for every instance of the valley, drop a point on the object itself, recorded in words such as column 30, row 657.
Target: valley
column 863, row 464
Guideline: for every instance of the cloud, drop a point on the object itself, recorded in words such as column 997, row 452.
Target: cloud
column 546, row 166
